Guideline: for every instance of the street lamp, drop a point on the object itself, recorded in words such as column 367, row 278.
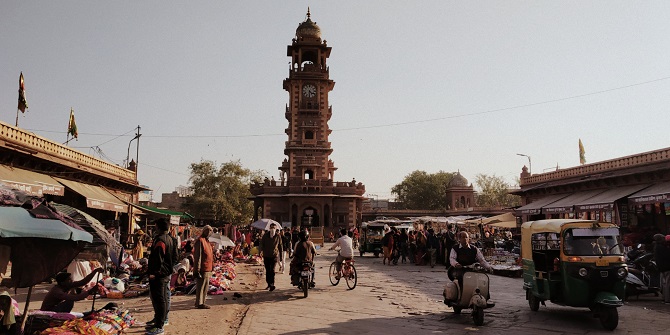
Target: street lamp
column 137, row 137
column 530, row 165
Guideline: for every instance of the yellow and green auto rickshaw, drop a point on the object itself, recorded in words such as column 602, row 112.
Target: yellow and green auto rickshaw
column 575, row 263
column 371, row 238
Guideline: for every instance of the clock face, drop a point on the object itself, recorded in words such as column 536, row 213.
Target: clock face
column 309, row 91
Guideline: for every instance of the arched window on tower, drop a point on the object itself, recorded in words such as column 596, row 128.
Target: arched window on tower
column 309, row 174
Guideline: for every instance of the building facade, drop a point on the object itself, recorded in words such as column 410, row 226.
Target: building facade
column 632, row 192
column 460, row 194
column 306, row 194
column 44, row 168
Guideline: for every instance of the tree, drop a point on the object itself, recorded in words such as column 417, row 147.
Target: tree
column 221, row 193
column 494, row 192
column 421, row 190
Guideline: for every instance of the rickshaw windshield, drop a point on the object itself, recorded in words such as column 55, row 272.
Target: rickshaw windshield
column 592, row 241
column 374, row 232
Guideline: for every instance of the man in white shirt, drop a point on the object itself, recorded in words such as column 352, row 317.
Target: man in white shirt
column 346, row 248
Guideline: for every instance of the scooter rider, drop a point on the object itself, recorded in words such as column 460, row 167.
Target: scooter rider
column 464, row 254
column 346, row 249
column 303, row 252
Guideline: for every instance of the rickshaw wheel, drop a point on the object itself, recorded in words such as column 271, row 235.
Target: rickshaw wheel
column 533, row 301
column 457, row 309
column 478, row 316
column 609, row 318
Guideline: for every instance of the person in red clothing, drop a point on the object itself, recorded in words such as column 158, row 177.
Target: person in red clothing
column 387, row 246
column 202, row 269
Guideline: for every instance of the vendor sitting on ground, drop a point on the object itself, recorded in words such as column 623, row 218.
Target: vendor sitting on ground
column 61, row 298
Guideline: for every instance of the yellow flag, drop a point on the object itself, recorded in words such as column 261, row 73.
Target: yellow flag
column 72, row 126
column 582, row 157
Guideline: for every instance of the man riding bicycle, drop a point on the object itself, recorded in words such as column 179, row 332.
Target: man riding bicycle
column 346, row 249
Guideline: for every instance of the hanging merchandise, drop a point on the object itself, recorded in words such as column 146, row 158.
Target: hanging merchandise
column 666, row 205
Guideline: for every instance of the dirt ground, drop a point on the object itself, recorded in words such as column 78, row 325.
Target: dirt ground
column 224, row 317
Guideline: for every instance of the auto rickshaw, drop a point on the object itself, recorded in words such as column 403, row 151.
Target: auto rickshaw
column 575, row 263
column 371, row 238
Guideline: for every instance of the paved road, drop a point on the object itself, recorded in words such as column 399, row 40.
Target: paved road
column 406, row 299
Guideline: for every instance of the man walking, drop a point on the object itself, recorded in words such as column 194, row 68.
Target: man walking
column 203, row 265
column 161, row 262
column 271, row 248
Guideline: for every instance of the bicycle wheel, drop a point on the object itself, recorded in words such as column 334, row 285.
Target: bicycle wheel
column 333, row 275
column 351, row 277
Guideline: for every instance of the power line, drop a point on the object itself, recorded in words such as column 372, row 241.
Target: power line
column 389, row 124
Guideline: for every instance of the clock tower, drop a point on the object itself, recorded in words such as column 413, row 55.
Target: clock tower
column 306, row 194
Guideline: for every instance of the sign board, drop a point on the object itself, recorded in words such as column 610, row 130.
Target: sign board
column 174, row 219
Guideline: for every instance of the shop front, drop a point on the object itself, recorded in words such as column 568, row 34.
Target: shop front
column 632, row 192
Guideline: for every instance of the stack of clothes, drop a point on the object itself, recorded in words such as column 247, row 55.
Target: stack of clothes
column 97, row 323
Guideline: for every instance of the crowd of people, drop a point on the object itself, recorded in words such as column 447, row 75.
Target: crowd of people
column 429, row 247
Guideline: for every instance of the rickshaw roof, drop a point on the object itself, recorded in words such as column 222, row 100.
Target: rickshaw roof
column 376, row 224
column 552, row 225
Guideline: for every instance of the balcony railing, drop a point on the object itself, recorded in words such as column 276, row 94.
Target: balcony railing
column 645, row 158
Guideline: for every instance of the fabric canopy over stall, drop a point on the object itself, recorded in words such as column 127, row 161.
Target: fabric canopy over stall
column 103, row 245
column 40, row 242
column 505, row 217
column 567, row 204
column 31, row 182
column 606, row 199
column 161, row 211
column 655, row 193
column 96, row 196
column 535, row 207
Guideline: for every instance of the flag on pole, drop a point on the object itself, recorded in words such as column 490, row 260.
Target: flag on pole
column 23, row 104
column 72, row 126
column 582, row 157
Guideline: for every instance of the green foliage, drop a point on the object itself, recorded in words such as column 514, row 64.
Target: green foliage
column 493, row 192
column 221, row 193
column 421, row 190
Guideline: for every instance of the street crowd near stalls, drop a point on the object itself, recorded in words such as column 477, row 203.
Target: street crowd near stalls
column 497, row 236
column 39, row 239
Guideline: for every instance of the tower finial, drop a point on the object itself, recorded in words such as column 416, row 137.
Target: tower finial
column 308, row 14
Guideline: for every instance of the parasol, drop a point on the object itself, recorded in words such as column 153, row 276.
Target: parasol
column 264, row 224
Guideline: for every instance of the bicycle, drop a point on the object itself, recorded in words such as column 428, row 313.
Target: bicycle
column 347, row 271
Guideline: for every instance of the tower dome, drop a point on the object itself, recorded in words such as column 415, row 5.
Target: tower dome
column 308, row 29
column 458, row 181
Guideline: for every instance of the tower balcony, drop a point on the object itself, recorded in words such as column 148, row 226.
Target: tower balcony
column 307, row 144
column 297, row 185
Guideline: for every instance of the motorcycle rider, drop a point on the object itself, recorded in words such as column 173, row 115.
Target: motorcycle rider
column 464, row 254
column 346, row 249
column 303, row 252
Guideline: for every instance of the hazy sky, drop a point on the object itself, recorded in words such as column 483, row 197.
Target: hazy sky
column 420, row 85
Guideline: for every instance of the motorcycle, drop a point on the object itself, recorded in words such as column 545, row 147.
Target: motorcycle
column 474, row 295
column 643, row 276
column 306, row 278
